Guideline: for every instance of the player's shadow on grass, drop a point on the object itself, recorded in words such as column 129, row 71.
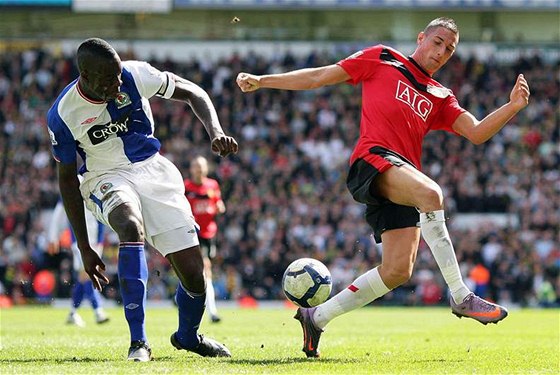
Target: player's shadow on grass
column 290, row 361
column 241, row 362
column 440, row 360
column 58, row 361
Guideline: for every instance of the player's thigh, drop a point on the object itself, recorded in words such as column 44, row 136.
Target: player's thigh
column 160, row 186
column 176, row 240
column 386, row 216
column 400, row 247
column 180, row 247
column 405, row 185
column 104, row 193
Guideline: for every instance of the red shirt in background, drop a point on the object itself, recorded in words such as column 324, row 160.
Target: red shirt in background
column 204, row 199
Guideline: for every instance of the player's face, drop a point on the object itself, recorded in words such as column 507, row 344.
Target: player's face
column 104, row 79
column 435, row 48
column 199, row 169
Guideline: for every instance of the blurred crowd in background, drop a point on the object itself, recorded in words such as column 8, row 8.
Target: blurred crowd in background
column 285, row 190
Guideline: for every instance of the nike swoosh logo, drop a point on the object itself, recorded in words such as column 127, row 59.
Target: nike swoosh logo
column 307, row 339
column 490, row 314
column 310, row 346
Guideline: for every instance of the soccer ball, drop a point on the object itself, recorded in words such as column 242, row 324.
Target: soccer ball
column 307, row 282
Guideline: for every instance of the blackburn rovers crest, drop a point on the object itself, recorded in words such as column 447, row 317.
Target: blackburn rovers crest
column 122, row 100
column 105, row 187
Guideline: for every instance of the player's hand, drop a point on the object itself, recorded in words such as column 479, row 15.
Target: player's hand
column 248, row 82
column 93, row 265
column 224, row 145
column 519, row 96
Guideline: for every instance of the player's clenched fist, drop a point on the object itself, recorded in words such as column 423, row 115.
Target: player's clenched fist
column 224, row 145
column 248, row 82
column 520, row 93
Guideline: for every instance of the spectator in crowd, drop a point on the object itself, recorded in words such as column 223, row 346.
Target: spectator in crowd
column 205, row 197
column 277, row 188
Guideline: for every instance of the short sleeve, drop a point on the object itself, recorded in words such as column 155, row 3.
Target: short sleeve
column 151, row 81
column 62, row 141
column 362, row 64
column 447, row 115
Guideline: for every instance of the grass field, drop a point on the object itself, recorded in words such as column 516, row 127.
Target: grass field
column 368, row 341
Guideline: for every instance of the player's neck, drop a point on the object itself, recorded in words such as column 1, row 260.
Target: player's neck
column 420, row 67
column 87, row 94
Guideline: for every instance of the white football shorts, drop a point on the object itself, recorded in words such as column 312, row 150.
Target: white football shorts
column 154, row 186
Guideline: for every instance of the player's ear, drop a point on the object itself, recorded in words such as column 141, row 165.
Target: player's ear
column 420, row 37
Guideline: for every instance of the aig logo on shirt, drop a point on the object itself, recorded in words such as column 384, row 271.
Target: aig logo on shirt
column 99, row 133
column 421, row 105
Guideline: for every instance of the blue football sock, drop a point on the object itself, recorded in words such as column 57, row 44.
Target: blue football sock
column 191, row 308
column 77, row 294
column 92, row 294
column 133, row 277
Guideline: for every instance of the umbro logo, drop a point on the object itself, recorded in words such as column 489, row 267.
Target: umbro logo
column 89, row 120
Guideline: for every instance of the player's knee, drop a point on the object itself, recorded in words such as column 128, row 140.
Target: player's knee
column 130, row 229
column 431, row 197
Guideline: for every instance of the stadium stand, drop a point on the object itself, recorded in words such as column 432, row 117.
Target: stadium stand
column 285, row 189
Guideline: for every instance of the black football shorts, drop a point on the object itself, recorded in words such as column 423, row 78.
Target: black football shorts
column 381, row 214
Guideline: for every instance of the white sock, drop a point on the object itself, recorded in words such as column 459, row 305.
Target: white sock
column 362, row 291
column 211, row 298
column 436, row 236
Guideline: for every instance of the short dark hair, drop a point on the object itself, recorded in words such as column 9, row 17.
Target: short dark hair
column 93, row 48
column 448, row 23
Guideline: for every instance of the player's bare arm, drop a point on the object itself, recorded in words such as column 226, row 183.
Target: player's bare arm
column 480, row 131
column 202, row 106
column 221, row 206
column 74, row 207
column 302, row 79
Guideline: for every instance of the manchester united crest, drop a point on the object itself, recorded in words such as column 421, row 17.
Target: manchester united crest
column 122, row 100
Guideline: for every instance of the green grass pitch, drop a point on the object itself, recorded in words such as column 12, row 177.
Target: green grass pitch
column 372, row 340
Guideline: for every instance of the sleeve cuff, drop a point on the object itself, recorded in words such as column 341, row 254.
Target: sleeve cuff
column 168, row 88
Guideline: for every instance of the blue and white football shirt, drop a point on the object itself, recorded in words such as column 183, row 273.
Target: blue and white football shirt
column 114, row 134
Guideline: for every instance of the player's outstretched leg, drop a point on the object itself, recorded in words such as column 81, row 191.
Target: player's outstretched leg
column 311, row 334
column 191, row 308
column 478, row 309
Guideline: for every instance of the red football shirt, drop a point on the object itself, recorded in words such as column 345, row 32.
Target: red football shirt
column 203, row 199
column 401, row 103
